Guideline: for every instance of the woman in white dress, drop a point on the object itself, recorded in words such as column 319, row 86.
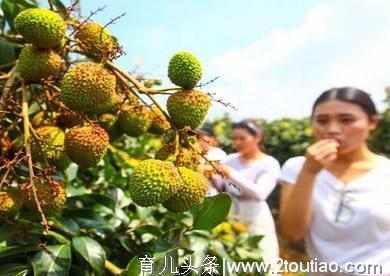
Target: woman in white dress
column 337, row 196
column 251, row 175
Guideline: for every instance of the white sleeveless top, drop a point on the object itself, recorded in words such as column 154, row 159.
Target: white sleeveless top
column 351, row 222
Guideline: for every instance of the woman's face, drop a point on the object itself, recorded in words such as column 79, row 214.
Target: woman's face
column 243, row 141
column 345, row 122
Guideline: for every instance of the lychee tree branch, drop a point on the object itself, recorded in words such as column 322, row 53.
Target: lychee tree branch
column 129, row 89
column 161, row 91
column 128, row 76
column 141, row 88
column 27, row 144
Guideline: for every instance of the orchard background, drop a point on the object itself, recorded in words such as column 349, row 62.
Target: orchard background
column 101, row 231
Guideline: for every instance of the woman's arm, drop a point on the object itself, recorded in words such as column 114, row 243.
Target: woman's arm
column 296, row 207
column 259, row 190
column 296, row 200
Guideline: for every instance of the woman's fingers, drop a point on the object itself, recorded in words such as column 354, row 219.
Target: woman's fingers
column 328, row 159
column 321, row 154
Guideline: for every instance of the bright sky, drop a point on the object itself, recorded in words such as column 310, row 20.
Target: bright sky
column 273, row 57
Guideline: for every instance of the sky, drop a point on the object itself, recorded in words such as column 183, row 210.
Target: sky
column 273, row 58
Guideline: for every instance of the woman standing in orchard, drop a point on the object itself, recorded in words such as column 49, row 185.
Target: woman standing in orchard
column 250, row 177
column 337, row 196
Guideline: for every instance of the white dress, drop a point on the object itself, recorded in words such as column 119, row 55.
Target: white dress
column 351, row 222
column 261, row 175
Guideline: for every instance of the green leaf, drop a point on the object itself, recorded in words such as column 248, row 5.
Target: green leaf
column 13, row 269
column 220, row 250
column 212, row 211
column 16, row 250
column 71, row 172
column 95, row 199
column 67, row 225
column 7, row 52
column 27, row 3
column 53, row 260
column 59, row 238
column 246, row 254
column 87, row 218
column 10, row 10
column 200, row 246
column 92, row 252
column 58, row 4
column 2, row 22
column 149, row 229
column 119, row 197
column 252, row 241
column 133, row 267
column 164, row 263
column 6, row 231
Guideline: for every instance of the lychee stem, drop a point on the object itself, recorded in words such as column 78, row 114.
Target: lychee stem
column 26, row 125
column 112, row 268
column 140, row 88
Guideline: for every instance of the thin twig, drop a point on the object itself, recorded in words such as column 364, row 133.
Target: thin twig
column 207, row 83
column 221, row 101
column 112, row 21
column 10, row 166
column 92, row 13
column 7, row 87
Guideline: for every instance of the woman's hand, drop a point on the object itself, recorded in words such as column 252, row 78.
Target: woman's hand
column 216, row 168
column 320, row 155
column 222, row 168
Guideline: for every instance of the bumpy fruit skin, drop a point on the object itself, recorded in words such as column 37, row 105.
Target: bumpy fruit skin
column 110, row 124
column 160, row 124
column 51, row 195
column 36, row 64
column 86, row 145
column 191, row 192
column 184, row 70
column 49, row 146
column 95, row 40
column 188, row 108
column 89, row 88
column 188, row 158
column 41, row 27
column 153, row 182
column 9, row 203
column 135, row 120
